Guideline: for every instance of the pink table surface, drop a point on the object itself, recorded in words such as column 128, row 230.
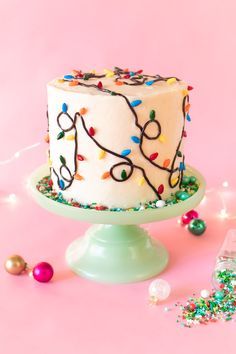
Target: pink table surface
column 193, row 40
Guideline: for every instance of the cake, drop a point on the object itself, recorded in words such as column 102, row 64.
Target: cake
column 116, row 137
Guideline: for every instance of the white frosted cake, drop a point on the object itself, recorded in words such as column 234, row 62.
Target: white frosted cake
column 116, row 138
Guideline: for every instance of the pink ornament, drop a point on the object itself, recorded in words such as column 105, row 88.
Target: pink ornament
column 43, row 272
column 190, row 215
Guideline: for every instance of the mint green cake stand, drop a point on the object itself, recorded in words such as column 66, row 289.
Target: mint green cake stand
column 116, row 249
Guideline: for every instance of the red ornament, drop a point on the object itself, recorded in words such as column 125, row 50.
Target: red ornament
column 160, row 189
column 91, row 131
column 43, row 272
column 50, row 183
column 153, row 156
column 189, row 88
column 80, row 157
column 189, row 216
column 100, row 86
column 184, row 134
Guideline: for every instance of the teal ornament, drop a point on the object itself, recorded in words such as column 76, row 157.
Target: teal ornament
column 61, row 184
column 182, row 166
column 181, row 195
column 135, row 139
column 149, row 83
column 188, row 117
column 135, row 103
column 125, row 152
column 69, row 77
column 64, row 107
column 197, row 227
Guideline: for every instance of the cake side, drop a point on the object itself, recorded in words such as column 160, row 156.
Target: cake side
column 117, row 150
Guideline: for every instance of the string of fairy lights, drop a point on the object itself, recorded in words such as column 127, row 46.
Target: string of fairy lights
column 11, row 198
column 223, row 213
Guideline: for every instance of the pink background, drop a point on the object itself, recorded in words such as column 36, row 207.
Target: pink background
column 195, row 40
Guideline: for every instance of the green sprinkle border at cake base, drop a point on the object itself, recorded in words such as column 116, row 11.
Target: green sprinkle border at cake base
column 188, row 188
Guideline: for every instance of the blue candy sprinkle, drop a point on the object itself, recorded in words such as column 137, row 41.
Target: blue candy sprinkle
column 61, row 184
column 69, row 77
column 188, row 118
column 125, row 152
column 149, row 83
column 131, row 73
column 135, row 103
column 64, row 107
column 135, row 139
column 182, row 166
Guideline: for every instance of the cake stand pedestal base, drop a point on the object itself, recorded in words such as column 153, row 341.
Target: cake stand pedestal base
column 116, row 254
column 116, row 249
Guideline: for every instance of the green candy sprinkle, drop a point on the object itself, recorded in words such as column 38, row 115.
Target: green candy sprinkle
column 152, row 114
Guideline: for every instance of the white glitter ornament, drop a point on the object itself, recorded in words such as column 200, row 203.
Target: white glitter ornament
column 159, row 290
column 160, row 203
column 205, row 293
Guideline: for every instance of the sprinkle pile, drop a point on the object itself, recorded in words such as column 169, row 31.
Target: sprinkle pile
column 218, row 305
column 189, row 187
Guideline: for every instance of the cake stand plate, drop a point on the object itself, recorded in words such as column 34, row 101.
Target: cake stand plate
column 116, row 250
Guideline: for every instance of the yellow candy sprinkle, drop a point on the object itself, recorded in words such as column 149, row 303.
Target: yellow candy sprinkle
column 174, row 180
column 105, row 175
column 78, row 177
column 109, row 73
column 162, row 138
column 70, row 137
column 141, row 181
column 171, row 80
column 60, row 81
column 49, row 162
column 101, row 154
column 185, row 93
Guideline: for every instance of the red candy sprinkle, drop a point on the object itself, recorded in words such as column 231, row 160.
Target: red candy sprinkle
column 160, row 189
column 139, row 72
column 50, row 183
column 100, row 86
column 126, row 76
column 184, row 134
column 91, row 131
column 100, row 207
column 80, row 157
column 189, row 88
column 153, row 156
column 192, row 306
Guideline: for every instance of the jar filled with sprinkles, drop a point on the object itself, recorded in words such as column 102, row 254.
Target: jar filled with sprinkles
column 224, row 275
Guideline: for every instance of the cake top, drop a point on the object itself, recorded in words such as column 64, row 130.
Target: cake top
column 123, row 81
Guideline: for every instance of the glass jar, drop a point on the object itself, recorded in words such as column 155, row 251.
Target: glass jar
column 226, row 262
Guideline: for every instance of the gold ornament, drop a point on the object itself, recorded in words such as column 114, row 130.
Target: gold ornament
column 15, row 265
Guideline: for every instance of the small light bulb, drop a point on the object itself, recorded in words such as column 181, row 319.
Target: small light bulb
column 225, row 184
column 223, row 214
column 11, row 198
